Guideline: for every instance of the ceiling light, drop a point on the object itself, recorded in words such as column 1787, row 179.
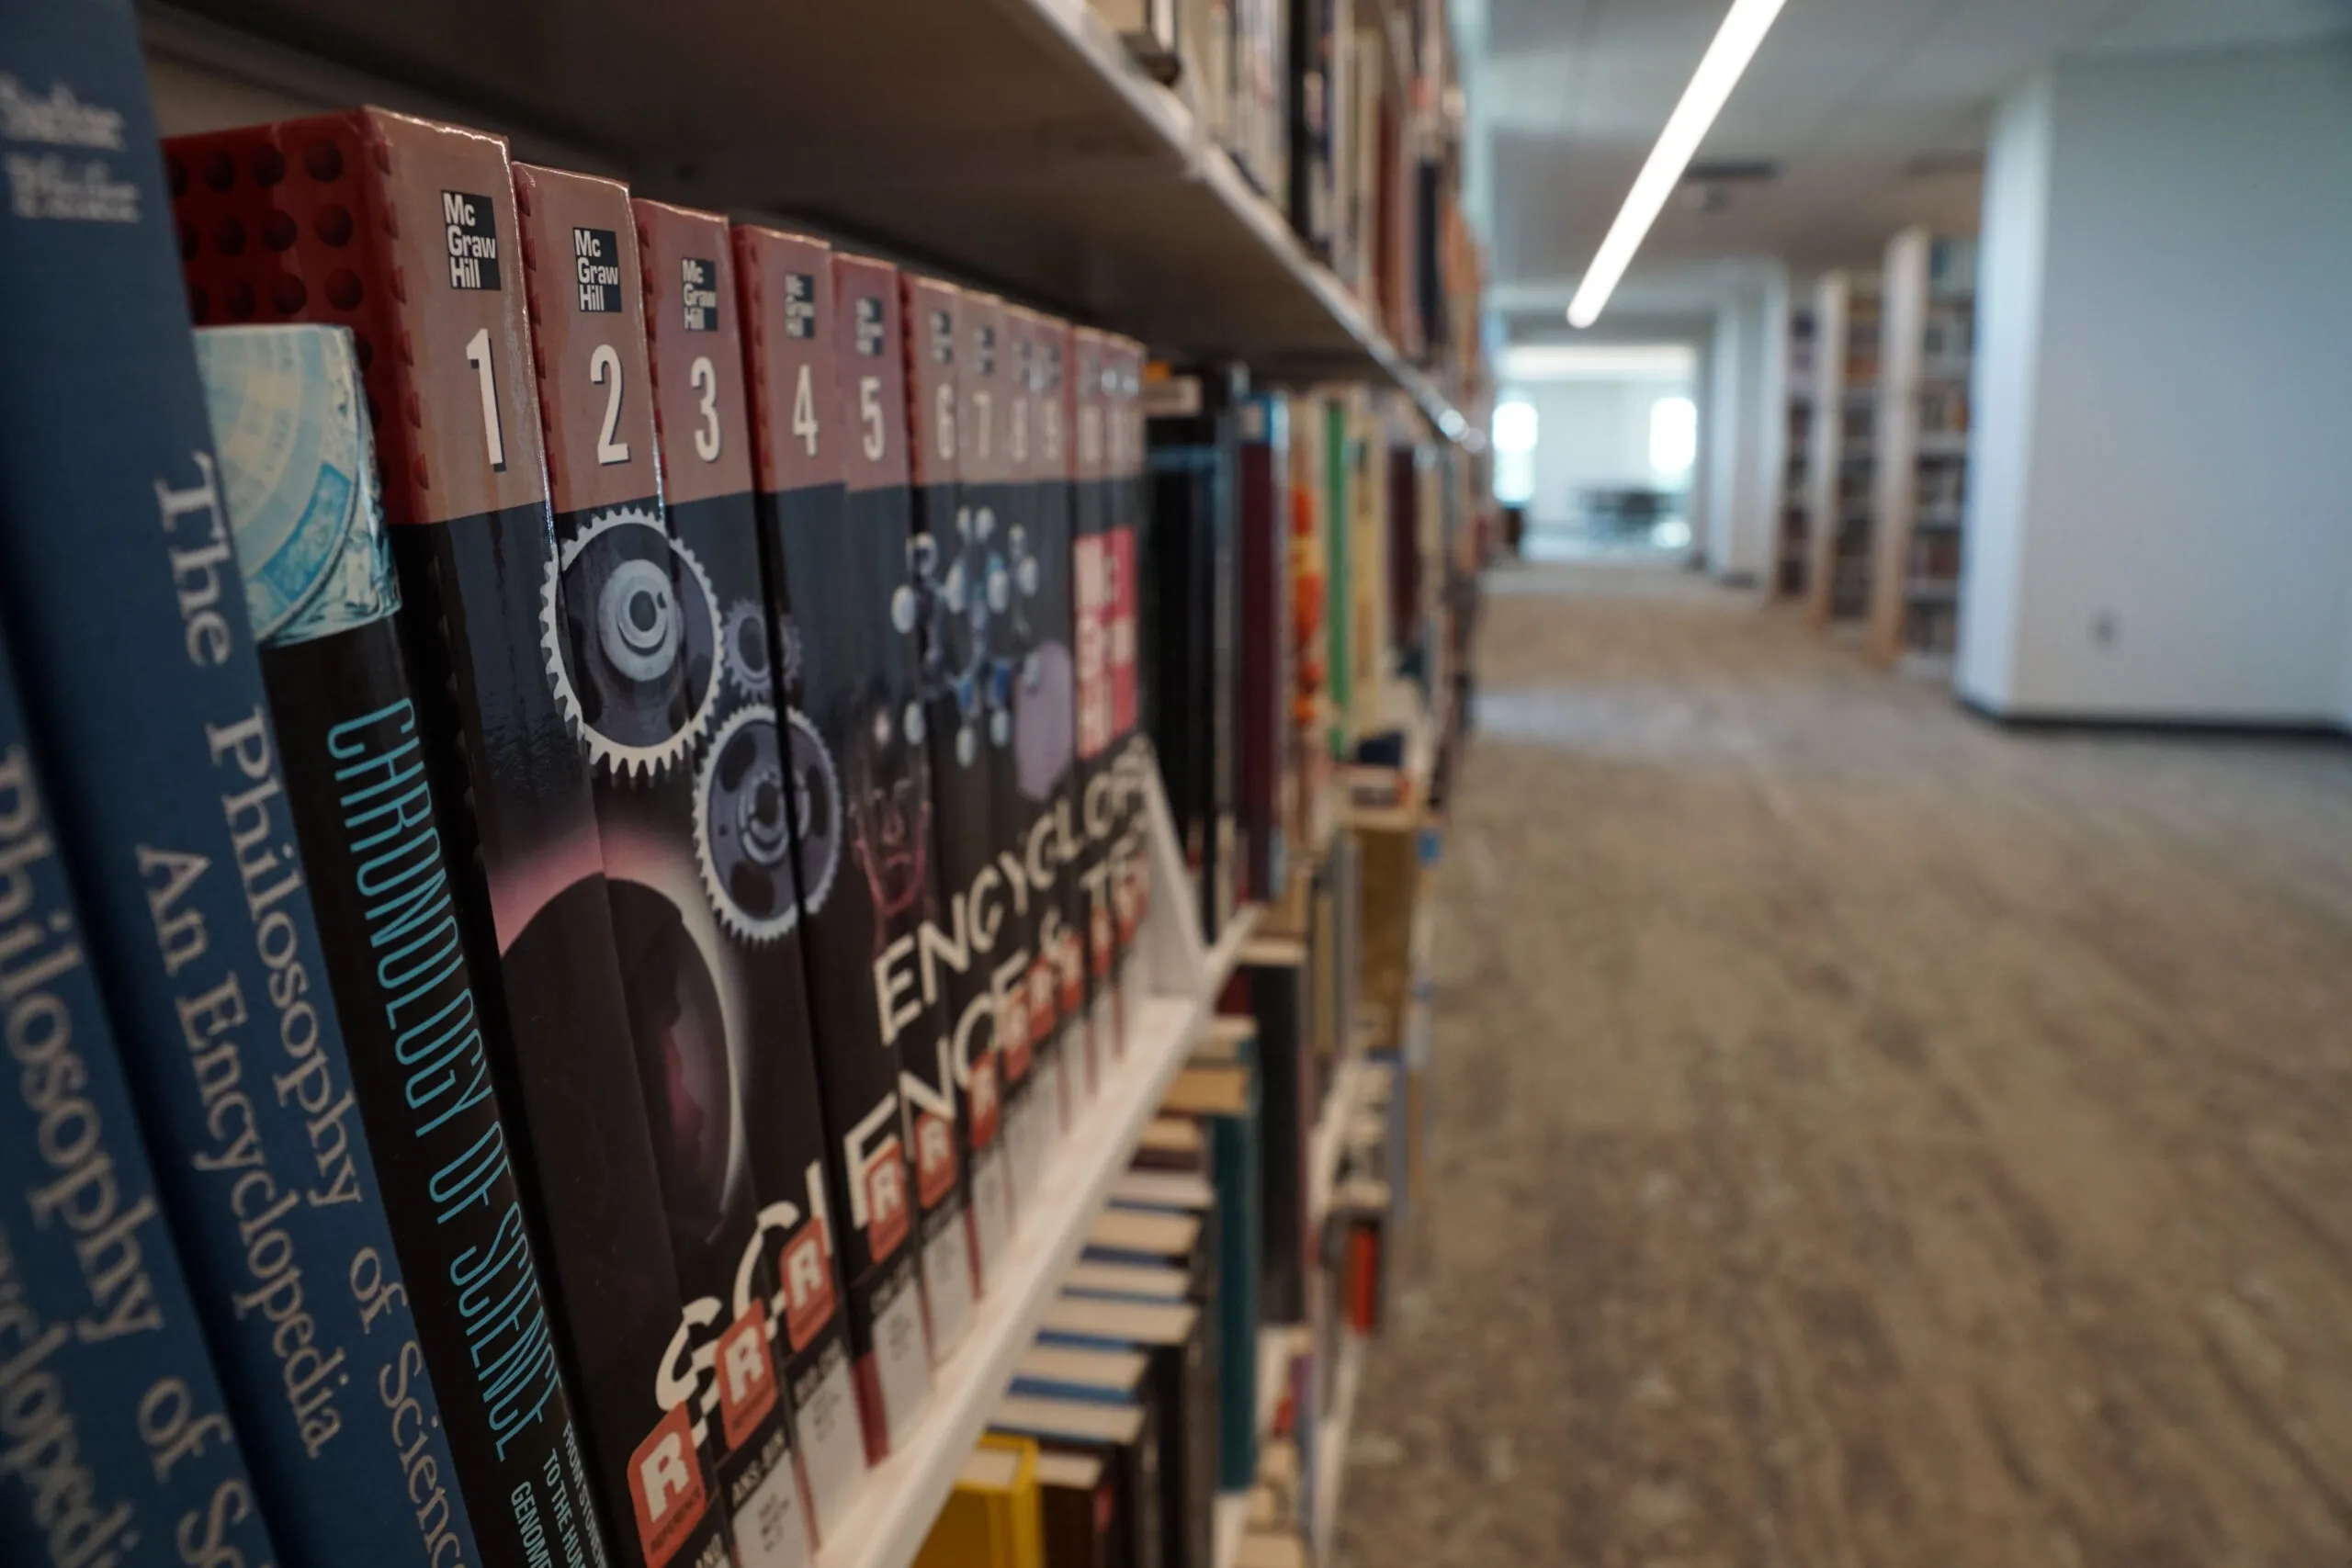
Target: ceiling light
column 1736, row 44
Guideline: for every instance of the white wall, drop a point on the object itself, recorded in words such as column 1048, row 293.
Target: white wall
column 1590, row 433
column 1744, row 422
column 2164, row 381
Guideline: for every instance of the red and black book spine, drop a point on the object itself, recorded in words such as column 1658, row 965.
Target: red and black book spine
column 1045, row 715
column 830, row 463
column 1094, row 592
column 407, row 233
column 1127, row 515
column 716, row 838
column 928, row 973
column 632, row 622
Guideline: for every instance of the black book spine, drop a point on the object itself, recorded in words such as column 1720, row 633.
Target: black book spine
column 297, row 469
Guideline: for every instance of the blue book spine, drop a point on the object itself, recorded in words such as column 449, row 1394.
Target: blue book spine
column 126, row 614
column 115, row 1448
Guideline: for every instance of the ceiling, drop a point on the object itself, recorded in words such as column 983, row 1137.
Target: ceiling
column 1874, row 110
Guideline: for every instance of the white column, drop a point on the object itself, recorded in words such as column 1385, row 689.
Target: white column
column 2160, row 518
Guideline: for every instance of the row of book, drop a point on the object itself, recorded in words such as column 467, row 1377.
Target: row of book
column 1339, row 113
column 571, row 795
column 1137, row 1406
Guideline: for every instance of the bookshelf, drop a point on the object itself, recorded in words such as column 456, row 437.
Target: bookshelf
column 1922, row 475
column 1012, row 144
column 1843, row 457
column 1794, row 538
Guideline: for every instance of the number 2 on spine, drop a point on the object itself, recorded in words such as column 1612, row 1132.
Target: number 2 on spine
column 605, row 369
column 494, row 439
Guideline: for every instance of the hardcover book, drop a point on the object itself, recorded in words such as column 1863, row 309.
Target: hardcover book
column 1126, row 506
column 948, row 570
column 406, row 232
column 1078, row 1507
column 633, row 624
column 126, row 618
column 1123, row 1435
column 1261, row 673
column 1006, row 401
column 830, row 461
column 715, row 837
column 102, row 1365
column 298, row 472
column 1094, row 592
column 1046, row 720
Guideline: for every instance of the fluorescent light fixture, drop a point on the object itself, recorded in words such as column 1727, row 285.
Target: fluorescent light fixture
column 1719, row 72
column 1598, row 362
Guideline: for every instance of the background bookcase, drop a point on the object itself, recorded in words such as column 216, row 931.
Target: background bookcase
column 1847, row 310
column 1047, row 151
column 1923, row 424
column 1792, row 555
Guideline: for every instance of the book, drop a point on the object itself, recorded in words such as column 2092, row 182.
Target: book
column 367, row 200
column 298, row 474
column 1077, row 1510
column 1046, row 722
column 1190, row 465
column 1068, row 1367
column 1179, row 1388
column 1134, row 1235
column 991, row 1519
column 124, row 1437
column 1260, row 672
column 1005, row 398
column 168, row 801
column 828, row 455
column 633, row 627
column 1095, row 578
column 992, row 1022
column 1128, row 1281
column 1127, row 508
column 1124, row 1436
column 1314, row 171
column 716, row 834
column 1280, row 998
column 949, row 1079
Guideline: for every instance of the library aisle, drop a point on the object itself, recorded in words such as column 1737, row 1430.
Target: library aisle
column 1861, row 1135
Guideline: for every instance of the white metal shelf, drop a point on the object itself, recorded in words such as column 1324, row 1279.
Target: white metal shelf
column 901, row 1496
column 1010, row 143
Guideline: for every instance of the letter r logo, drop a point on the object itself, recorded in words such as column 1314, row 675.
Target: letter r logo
column 808, row 1286
column 666, row 1488
column 746, row 1375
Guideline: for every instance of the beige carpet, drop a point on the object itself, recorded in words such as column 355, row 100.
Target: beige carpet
column 1862, row 1136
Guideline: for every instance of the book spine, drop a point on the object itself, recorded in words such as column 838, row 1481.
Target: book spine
column 989, row 877
column 830, row 466
column 115, row 1428
column 298, row 471
column 1125, row 511
column 723, row 821
column 946, row 576
column 407, row 232
column 171, row 810
column 637, row 630
column 1262, row 673
column 1025, row 1014
column 1094, row 589
column 1049, row 766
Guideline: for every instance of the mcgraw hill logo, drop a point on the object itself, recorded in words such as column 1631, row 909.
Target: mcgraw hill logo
column 596, row 258
column 870, row 332
column 469, row 223
column 800, row 304
column 699, row 279
column 984, row 351
column 943, row 338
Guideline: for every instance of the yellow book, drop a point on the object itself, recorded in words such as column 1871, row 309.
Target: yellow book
column 991, row 1519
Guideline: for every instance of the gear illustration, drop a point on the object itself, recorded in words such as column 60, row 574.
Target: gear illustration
column 968, row 594
column 787, row 658
column 629, row 628
column 743, row 834
column 744, row 639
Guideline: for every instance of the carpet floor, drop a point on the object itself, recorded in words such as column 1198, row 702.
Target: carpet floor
column 1862, row 1135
